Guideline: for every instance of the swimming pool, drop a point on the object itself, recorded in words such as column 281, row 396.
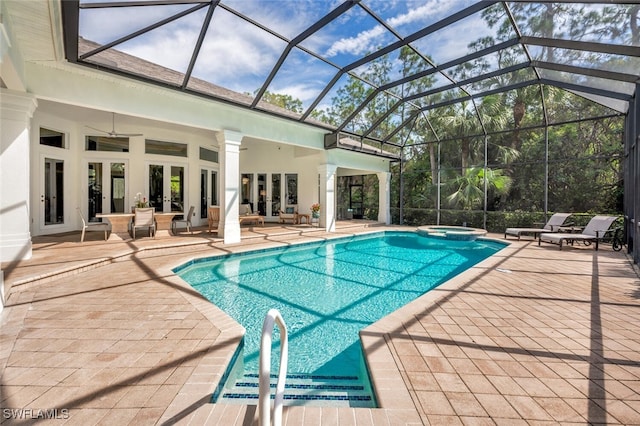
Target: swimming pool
column 327, row 292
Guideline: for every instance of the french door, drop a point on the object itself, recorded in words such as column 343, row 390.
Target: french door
column 275, row 195
column 273, row 192
column 107, row 188
column 166, row 185
column 208, row 190
column 52, row 192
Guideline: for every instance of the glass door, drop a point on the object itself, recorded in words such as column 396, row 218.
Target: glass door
column 246, row 190
column 166, row 184
column 262, row 195
column 52, row 195
column 292, row 189
column 208, row 190
column 106, row 188
column 276, row 194
column 356, row 197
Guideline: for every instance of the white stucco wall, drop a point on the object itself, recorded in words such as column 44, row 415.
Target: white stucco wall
column 257, row 156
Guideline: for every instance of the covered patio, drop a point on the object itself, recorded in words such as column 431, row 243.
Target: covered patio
column 529, row 335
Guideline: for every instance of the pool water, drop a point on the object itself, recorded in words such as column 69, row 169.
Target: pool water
column 327, row 292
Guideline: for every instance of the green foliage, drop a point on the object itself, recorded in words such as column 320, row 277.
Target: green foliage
column 287, row 102
column 452, row 144
column 467, row 190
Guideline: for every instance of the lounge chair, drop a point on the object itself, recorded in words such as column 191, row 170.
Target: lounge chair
column 186, row 220
column 213, row 217
column 553, row 225
column 92, row 226
column 290, row 213
column 595, row 230
column 144, row 219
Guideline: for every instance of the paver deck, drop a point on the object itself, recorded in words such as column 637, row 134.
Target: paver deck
column 105, row 333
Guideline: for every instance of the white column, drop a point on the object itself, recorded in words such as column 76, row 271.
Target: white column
column 229, row 227
column 327, row 174
column 16, row 111
column 384, row 197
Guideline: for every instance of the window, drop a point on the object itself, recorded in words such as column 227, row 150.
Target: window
column 208, row 155
column 165, row 148
column 51, row 138
column 104, row 143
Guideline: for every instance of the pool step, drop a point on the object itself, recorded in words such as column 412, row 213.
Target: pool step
column 302, row 389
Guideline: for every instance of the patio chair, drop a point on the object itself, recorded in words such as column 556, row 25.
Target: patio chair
column 595, row 230
column 186, row 220
column 213, row 217
column 245, row 209
column 144, row 219
column 553, row 225
column 289, row 213
column 92, row 226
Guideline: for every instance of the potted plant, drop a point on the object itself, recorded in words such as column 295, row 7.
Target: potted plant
column 315, row 210
column 139, row 202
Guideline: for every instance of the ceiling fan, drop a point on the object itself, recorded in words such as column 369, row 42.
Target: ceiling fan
column 113, row 133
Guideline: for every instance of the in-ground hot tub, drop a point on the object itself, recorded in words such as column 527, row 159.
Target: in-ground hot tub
column 460, row 233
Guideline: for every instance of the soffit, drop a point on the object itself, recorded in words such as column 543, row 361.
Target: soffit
column 33, row 25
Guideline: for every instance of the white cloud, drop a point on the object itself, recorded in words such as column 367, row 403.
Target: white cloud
column 363, row 42
column 431, row 11
column 452, row 41
column 169, row 50
column 232, row 51
column 366, row 40
column 106, row 25
column 302, row 91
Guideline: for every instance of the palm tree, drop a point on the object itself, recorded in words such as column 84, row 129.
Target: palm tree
column 468, row 188
column 464, row 122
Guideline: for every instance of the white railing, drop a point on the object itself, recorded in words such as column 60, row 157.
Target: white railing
column 264, row 396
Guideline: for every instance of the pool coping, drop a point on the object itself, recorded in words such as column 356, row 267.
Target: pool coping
column 387, row 374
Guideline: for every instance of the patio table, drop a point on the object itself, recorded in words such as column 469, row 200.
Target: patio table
column 306, row 217
column 119, row 224
column 252, row 218
column 163, row 222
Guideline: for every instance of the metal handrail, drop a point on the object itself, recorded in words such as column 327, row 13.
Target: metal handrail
column 264, row 378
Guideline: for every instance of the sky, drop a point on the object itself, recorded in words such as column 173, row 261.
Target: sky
column 240, row 56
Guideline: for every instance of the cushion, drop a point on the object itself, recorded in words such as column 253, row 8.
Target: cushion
column 289, row 210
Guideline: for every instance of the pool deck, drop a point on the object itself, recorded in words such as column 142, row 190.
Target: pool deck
column 105, row 333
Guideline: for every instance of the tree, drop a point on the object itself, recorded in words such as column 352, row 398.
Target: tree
column 287, row 102
column 468, row 188
column 463, row 121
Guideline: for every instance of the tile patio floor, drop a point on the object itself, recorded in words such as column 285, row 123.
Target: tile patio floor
column 105, row 333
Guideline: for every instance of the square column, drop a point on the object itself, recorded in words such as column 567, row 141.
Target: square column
column 327, row 174
column 229, row 227
column 16, row 111
column 384, row 197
